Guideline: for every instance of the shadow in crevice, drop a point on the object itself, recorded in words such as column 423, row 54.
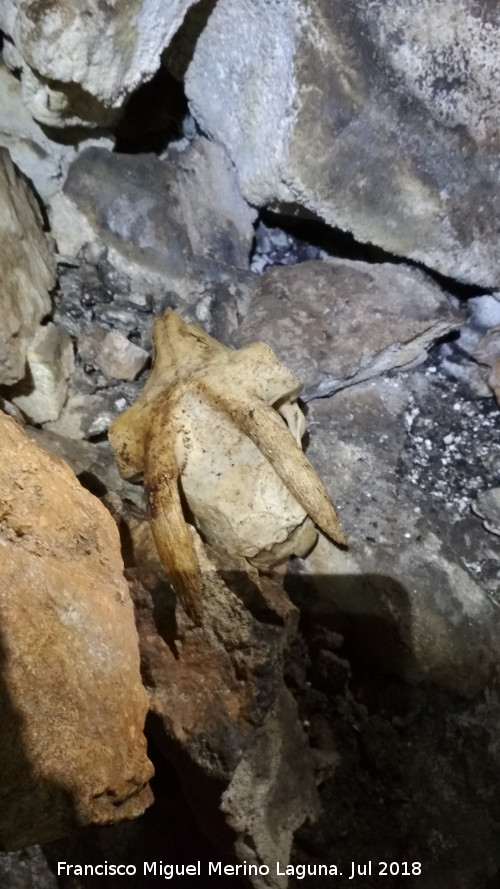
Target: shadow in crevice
column 371, row 613
column 154, row 114
column 166, row 835
column 32, row 808
column 383, row 632
column 310, row 230
column 179, row 53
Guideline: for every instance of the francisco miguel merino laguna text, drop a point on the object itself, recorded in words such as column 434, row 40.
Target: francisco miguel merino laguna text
column 212, row 868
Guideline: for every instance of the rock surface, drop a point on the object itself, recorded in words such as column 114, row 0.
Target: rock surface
column 120, row 359
column 43, row 391
column 487, row 506
column 155, row 217
column 418, row 585
column 28, row 270
column 224, row 716
column 80, row 62
column 40, row 159
column 72, row 749
column 381, row 118
column 339, row 322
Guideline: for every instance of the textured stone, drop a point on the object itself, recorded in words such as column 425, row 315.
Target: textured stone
column 459, row 357
column 72, row 750
column 119, row 358
column 28, row 271
column 408, row 593
column 40, row 159
column 380, row 117
column 487, row 352
column 223, row 715
column 81, row 60
column 42, row 393
column 487, row 506
column 494, row 379
column 337, row 322
column 156, row 218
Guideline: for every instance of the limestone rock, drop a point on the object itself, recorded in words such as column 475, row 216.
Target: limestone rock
column 93, row 464
column 337, row 322
column 28, row 271
column 40, row 159
column 156, row 218
column 494, row 379
column 487, row 506
column 411, row 593
column 81, row 61
column 86, row 414
column 223, row 715
column 72, row 750
column 26, row 869
column 487, row 352
column 119, row 358
column 468, row 357
column 381, row 118
column 42, row 393
column 219, row 222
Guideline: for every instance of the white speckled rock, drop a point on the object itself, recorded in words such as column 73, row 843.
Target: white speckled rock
column 82, row 59
column 380, row 117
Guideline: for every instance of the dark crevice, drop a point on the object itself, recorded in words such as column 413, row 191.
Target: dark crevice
column 177, row 57
column 153, row 116
column 308, row 229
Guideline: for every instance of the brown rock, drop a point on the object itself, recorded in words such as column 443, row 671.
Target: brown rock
column 72, row 750
column 224, row 717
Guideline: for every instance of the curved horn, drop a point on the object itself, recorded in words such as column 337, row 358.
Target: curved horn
column 266, row 429
column 170, row 531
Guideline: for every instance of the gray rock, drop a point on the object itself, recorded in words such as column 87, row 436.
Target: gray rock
column 487, row 506
column 119, row 358
column 176, row 220
column 416, row 591
column 87, row 415
column 81, row 62
column 378, row 117
column 42, row 160
column 335, row 323
column 43, row 392
column 465, row 358
column 28, row 869
column 28, row 270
